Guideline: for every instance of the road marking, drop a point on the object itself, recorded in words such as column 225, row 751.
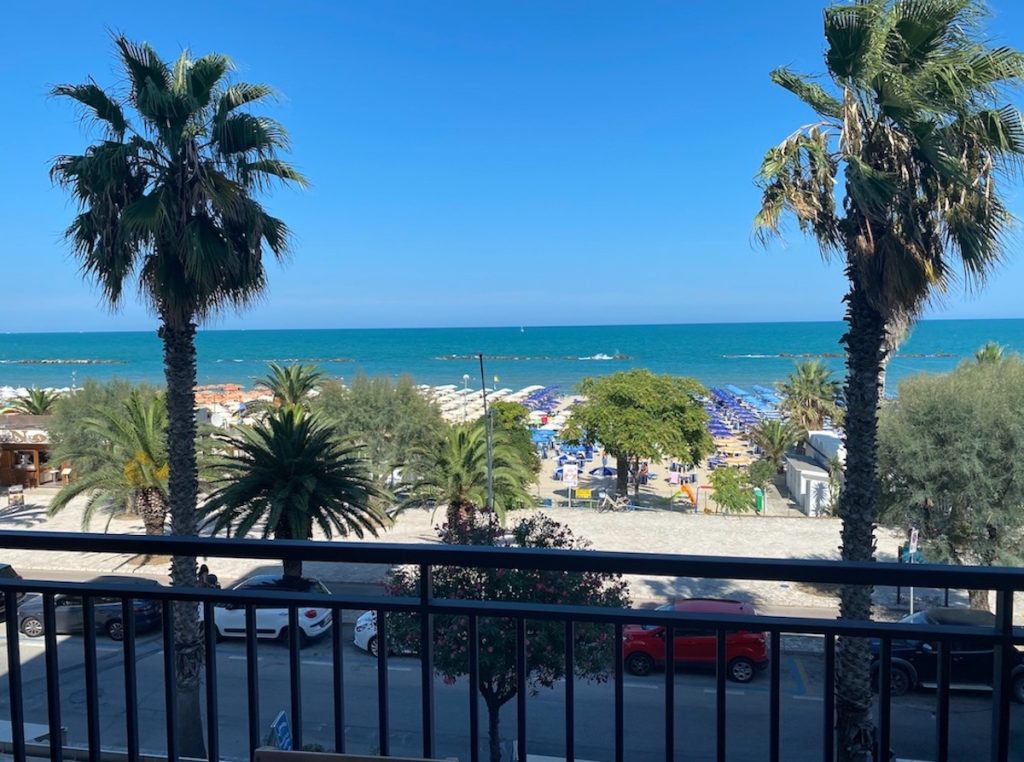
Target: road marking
column 808, row 698
column 729, row 691
column 649, row 686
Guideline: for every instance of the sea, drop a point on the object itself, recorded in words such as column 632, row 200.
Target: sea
column 738, row 353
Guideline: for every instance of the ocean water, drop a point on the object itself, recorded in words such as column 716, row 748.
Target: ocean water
column 742, row 354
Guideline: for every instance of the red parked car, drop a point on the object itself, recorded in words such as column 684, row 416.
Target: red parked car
column 643, row 646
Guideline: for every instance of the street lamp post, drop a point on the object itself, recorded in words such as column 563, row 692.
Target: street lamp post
column 465, row 394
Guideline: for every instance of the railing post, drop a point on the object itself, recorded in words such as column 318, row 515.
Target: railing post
column 52, row 679
column 427, row 658
column 14, row 682
column 92, row 685
column 1001, row 688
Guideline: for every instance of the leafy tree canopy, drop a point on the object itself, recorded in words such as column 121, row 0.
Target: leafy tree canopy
column 733, row 492
column 949, row 461
column 512, row 419
column 594, row 647
column 637, row 414
column 390, row 419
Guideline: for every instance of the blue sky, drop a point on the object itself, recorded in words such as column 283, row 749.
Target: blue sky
column 498, row 163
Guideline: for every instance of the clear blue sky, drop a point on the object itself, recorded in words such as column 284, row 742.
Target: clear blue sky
column 497, row 163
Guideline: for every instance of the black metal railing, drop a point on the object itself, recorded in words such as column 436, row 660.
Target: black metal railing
column 1002, row 639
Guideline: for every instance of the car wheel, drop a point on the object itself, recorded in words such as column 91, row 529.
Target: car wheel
column 371, row 647
column 115, row 629
column 1018, row 688
column 32, row 627
column 639, row 664
column 899, row 681
column 740, row 670
column 303, row 637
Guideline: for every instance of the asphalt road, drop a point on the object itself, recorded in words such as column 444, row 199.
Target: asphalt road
column 747, row 707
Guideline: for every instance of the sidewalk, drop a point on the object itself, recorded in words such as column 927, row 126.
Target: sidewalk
column 654, row 531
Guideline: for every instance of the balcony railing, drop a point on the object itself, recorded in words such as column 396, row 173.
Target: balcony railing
column 1002, row 639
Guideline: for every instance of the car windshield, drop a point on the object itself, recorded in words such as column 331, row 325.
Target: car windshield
column 665, row 607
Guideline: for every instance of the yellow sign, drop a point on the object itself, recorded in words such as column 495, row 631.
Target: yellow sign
column 583, row 494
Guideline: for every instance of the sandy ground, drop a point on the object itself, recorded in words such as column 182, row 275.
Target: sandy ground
column 653, row 530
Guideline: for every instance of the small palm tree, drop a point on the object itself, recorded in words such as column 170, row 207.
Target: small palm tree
column 123, row 468
column 292, row 384
column 809, row 395
column 775, row 437
column 454, row 475
column 990, row 354
column 288, row 475
column 36, row 402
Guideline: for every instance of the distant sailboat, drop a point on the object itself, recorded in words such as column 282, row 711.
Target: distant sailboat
column 522, row 330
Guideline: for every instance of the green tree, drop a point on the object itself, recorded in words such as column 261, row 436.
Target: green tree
column 288, row 475
column 512, row 419
column 949, row 462
column 37, row 402
column 167, row 197
column 454, row 475
column 991, row 352
column 809, row 395
column 775, row 437
column 761, row 473
column 636, row 414
column 121, row 464
column 390, row 419
column 291, row 384
column 594, row 648
column 732, row 491
column 898, row 175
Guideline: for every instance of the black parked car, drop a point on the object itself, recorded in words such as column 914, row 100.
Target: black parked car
column 915, row 662
column 68, row 611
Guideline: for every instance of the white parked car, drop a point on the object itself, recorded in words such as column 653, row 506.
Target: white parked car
column 272, row 621
column 365, row 635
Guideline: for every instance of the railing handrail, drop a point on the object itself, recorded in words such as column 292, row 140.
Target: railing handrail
column 512, row 609
column 656, row 564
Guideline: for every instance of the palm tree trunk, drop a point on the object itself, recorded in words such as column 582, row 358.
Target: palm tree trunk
column 151, row 506
column 178, row 338
column 865, row 355
column 291, row 567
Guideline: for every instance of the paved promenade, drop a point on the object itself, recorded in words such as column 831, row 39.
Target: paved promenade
column 652, row 530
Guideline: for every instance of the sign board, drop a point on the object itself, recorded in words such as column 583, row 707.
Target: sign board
column 282, row 732
column 570, row 475
column 913, row 541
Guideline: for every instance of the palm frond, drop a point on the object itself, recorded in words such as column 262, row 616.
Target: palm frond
column 811, row 93
column 98, row 103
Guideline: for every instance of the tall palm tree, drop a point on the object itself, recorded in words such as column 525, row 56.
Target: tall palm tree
column 167, row 197
column 913, row 127
column 123, row 467
column 36, row 402
column 775, row 437
column 454, row 475
column 287, row 475
column 292, row 384
column 809, row 395
column 990, row 354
